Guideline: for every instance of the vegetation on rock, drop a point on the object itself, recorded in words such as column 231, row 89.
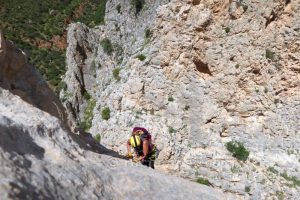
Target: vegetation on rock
column 247, row 189
column 86, row 96
column 245, row 7
column 86, row 124
column 98, row 138
column 38, row 28
column 170, row 98
column 141, row 57
column 227, row 29
column 172, row 130
column 238, row 150
column 273, row 170
column 138, row 5
column 119, row 8
column 116, row 74
column 294, row 181
column 203, row 181
column 148, row 33
column 105, row 113
column 270, row 54
column 107, row 46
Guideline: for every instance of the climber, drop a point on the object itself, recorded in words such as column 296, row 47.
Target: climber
column 144, row 150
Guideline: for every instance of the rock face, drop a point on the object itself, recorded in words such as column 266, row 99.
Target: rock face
column 21, row 78
column 41, row 160
column 214, row 71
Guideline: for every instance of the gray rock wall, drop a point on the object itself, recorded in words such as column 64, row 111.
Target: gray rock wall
column 41, row 160
column 215, row 71
column 22, row 79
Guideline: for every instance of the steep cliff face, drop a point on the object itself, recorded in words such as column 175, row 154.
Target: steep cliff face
column 90, row 67
column 208, row 72
column 41, row 159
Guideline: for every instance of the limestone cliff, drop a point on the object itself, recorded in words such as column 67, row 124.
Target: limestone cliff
column 41, row 159
column 197, row 74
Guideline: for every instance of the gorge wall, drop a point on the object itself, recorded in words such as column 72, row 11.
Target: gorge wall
column 41, row 159
column 197, row 74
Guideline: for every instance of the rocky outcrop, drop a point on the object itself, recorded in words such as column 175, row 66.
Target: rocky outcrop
column 80, row 77
column 22, row 79
column 90, row 68
column 214, row 71
column 41, row 160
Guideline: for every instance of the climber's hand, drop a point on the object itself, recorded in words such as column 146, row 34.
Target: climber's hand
column 129, row 156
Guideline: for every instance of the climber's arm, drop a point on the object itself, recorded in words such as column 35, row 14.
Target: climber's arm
column 145, row 148
column 128, row 149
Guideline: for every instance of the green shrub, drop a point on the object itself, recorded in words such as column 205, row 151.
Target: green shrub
column 172, row 130
column 273, row 170
column 138, row 5
column 119, row 8
column 266, row 90
column 105, row 113
column 141, row 57
column 86, row 95
column 148, row 33
column 238, row 150
column 203, row 181
column 116, row 74
column 86, row 124
column 270, row 54
column 187, row 107
column 93, row 12
column 245, row 7
column 237, row 66
column 170, row 98
column 247, row 189
column 139, row 112
column 227, row 29
column 107, row 46
column 98, row 138
column 295, row 181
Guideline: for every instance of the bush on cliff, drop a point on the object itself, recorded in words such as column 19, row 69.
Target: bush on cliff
column 238, row 150
column 107, row 46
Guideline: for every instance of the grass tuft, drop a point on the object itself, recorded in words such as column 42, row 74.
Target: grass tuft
column 98, row 138
column 107, row 46
column 141, row 57
column 86, row 124
column 116, row 74
column 105, row 113
column 270, row 54
column 203, row 181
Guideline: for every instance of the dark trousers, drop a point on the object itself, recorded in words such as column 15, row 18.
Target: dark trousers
column 148, row 163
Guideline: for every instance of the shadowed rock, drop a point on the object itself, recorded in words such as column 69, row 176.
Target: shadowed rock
column 40, row 160
column 22, row 79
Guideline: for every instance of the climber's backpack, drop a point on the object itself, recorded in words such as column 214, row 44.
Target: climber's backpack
column 136, row 140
